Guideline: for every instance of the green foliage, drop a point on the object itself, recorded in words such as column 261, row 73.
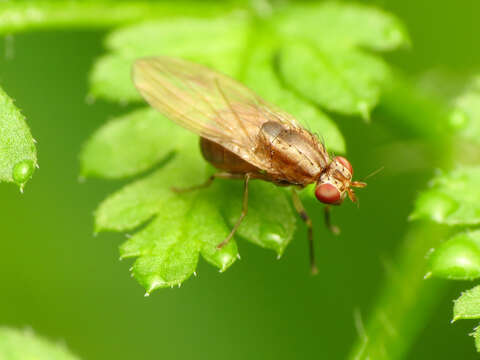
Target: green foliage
column 217, row 42
column 343, row 81
column 179, row 227
column 322, row 59
column 465, row 117
column 343, row 26
column 18, row 156
column 453, row 198
column 109, row 153
column 23, row 345
column 16, row 16
column 184, row 225
column 304, row 58
column 467, row 306
column 458, row 258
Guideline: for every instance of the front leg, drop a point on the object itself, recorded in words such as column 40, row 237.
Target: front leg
column 328, row 222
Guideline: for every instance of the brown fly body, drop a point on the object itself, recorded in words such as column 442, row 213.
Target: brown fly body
column 243, row 136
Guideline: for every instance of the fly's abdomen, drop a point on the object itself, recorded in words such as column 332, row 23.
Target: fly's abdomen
column 224, row 159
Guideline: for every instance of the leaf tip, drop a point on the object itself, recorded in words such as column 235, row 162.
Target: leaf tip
column 364, row 110
column 155, row 284
column 428, row 275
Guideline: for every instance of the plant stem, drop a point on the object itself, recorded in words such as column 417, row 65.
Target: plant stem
column 34, row 15
column 406, row 300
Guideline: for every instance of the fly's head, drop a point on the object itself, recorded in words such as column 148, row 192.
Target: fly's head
column 335, row 183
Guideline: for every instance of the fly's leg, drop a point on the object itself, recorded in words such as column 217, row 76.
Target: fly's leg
column 328, row 223
column 206, row 184
column 242, row 215
column 304, row 216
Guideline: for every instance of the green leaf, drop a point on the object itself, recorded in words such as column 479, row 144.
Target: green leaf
column 476, row 336
column 22, row 345
column 130, row 144
column 178, row 228
column 465, row 117
column 458, row 258
column 270, row 222
column 185, row 225
column 337, row 25
column 140, row 200
column 321, row 56
column 18, row 156
column 348, row 82
column 188, row 38
column 18, row 16
column 261, row 77
column 467, row 306
column 453, row 198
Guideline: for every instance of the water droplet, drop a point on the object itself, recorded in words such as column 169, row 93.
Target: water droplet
column 22, row 172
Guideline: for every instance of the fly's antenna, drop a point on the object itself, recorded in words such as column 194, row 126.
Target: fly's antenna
column 373, row 173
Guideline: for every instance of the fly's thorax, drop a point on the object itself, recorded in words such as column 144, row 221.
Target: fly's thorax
column 295, row 155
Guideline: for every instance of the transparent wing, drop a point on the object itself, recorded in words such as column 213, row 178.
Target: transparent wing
column 208, row 103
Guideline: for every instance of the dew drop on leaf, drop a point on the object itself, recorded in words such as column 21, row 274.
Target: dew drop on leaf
column 22, row 171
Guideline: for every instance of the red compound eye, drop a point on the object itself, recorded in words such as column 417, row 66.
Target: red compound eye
column 328, row 194
column 345, row 163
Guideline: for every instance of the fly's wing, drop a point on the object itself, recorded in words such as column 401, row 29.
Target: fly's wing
column 208, row 103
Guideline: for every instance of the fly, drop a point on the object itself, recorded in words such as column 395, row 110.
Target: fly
column 243, row 136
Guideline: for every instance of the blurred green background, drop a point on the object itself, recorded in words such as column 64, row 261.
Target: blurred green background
column 69, row 285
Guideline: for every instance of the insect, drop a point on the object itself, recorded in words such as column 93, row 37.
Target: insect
column 243, row 136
